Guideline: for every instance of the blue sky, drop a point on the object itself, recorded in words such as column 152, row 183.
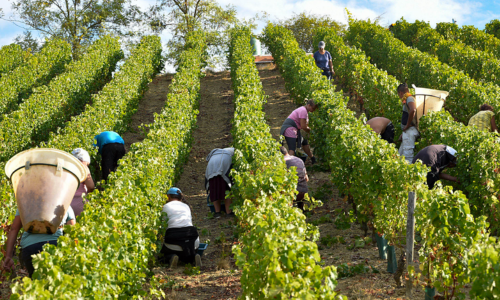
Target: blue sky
column 476, row 13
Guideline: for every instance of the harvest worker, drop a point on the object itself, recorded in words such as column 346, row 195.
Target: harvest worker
column 217, row 179
column 85, row 187
column 485, row 119
column 31, row 243
column 382, row 126
column 408, row 123
column 112, row 149
column 293, row 161
column 296, row 121
column 438, row 158
column 323, row 60
column 181, row 237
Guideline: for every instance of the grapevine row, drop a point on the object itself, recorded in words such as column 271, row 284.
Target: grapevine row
column 363, row 165
column 38, row 70
column 108, row 253
column 471, row 36
column 110, row 111
column 11, row 56
column 479, row 154
column 52, row 105
column 415, row 67
column 479, row 65
column 368, row 168
column 277, row 253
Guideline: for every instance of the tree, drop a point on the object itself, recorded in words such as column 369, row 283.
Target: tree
column 493, row 27
column 79, row 22
column 28, row 42
column 184, row 16
column 302, row 25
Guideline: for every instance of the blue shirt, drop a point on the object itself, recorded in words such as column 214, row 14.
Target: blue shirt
column 29, row 239
column 107, row 137
column 322, row 60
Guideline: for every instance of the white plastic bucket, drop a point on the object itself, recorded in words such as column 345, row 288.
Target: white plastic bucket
column 44, row 181
column 428, row 100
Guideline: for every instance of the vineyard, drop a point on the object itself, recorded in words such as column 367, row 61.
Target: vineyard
column 359, row 190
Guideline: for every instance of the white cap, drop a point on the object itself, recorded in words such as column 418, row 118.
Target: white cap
column 81, row 154
column 451, row 151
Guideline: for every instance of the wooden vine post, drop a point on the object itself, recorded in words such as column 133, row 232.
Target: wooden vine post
column 410, row 237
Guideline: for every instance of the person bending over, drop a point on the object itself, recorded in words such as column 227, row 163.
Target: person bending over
column 217, row 179
column 31, row 243
column 438, row 158
column 384, row 127
column 112, row 149
column 85, row 187
column 293, row 161
column 296, row 121
column 181, row 238
column 485, row 119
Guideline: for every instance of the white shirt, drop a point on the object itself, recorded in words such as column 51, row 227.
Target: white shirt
column 179, row 215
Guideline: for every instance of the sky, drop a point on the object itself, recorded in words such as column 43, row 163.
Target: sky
column 476, row 13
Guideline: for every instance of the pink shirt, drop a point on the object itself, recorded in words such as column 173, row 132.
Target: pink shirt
column 77, row 203
column 296, row 115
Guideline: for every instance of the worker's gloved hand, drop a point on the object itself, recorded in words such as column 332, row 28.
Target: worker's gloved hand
column 8, row 264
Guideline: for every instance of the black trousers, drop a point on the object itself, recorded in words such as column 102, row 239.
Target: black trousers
column 110, row 154
column 166, row 254
column 327, row 73
column 26, row 255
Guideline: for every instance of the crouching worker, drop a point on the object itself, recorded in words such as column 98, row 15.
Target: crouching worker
column 438, row 158
column 384, row 127
column 293, row 161
column 31, row 243
column 181, row 237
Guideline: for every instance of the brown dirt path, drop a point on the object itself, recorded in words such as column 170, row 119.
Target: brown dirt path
column 152, row 102
column 219, row 278
column 362, row 286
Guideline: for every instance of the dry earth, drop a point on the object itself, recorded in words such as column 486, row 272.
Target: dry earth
column 218, row 278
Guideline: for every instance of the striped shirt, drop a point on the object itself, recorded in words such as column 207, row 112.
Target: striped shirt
column 482, row 120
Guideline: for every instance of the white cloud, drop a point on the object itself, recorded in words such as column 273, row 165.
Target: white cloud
column 433, row 11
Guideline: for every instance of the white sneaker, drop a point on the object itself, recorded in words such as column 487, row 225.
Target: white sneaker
column 197, row 259
column 173, row 261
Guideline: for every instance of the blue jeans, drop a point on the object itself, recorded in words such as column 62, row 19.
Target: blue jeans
column 328, row 74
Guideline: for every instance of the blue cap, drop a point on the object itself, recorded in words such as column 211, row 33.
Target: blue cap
column 174, row 191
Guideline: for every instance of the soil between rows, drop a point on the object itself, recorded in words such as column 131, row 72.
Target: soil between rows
column 379, row 285
column 219, row 277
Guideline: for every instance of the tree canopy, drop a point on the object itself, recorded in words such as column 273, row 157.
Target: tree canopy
column 79, row 22
column 184, row 16
column 302, row 25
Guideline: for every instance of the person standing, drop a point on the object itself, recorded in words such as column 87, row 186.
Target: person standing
column 292, row 161
column 384, row 127
column 181, row 237
column 408, row 123
column 112, row 149
column 85, row 187
column 484, row 120
column 438, row 158
column 323, row 61
column 217, row 179
column 31, row 243
column 297, row 120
